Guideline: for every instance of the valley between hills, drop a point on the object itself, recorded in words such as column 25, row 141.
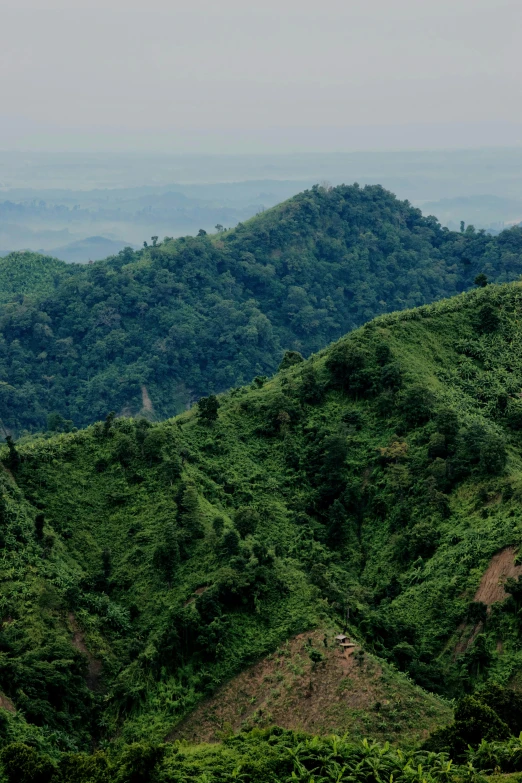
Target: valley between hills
column 223, row 452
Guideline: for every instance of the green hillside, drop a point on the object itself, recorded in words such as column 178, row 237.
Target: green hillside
column 25, row 274
column 156, row 329
column 145, row 564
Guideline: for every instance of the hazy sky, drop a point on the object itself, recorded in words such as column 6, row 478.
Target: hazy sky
column 278, row 74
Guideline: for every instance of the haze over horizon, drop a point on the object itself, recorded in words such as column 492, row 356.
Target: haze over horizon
column 278, row 77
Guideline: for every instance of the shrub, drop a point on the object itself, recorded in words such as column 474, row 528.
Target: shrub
column 139, row 762
column 417, row 405
column 208, row 408
column 81, row 768
column 345, row 363
column 23, row 764
column 290, row 359
column 231, row 542
column 246, row 520
column 474, row 722
column 488, row 318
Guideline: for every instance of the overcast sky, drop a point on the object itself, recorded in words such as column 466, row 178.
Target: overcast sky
column 230, row 75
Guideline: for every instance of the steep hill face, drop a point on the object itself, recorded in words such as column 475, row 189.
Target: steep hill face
column 312, row 684
column 145, row 564
column 197, row 315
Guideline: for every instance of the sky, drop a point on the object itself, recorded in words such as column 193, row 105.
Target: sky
column 276, row 75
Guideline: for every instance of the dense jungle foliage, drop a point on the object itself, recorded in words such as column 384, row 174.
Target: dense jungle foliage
column 143, row 564
column 25, row 274
column 156, row 329
column 269, row 756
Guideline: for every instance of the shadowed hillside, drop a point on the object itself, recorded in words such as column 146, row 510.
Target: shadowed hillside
column 197, row 315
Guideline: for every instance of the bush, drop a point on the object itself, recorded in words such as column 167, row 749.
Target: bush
column 474, row 722
column 246, row 520
column 290, row 359
column 482, row 446
column 345, row 363
column 80, row 768
column 139, row 763
column 417, row 405
column 23, row 764
column 208, row 408
column 488, row 318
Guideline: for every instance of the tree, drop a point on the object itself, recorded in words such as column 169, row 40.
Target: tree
column 474, row 722
column 13, row 459
column 506, row 702
column 311, row 390
column 231, row 543
column 23, row 764
column 488, row 318
column 57, row 423
column 218, row 523
column 107, row 424
column 246, row 520
column 481, row 280
column 480, row 444
column 38, row 526
column 290, row 359
column 346, row 363
column 167, row 553
column 191, row 516
column 336, row 524
column 391, row 376
column 139, row 761
column 208, row 408
column 417, row 405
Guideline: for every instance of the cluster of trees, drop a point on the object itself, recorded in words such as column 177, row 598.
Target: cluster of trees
column 381, row 473
column 194, row 316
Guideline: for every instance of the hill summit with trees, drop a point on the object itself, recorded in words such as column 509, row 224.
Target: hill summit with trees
column 146, row 564
column 155, row 329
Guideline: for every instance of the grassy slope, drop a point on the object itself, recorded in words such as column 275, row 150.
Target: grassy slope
column 346, row 499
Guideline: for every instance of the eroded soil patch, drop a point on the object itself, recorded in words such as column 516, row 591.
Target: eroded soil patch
column 501, row 567
column 490, row 590
column 346, row 691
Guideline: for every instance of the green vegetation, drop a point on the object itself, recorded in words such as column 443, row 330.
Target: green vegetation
column 25, row 274
column 256, row 757
column 151, row 331
column 144, row 564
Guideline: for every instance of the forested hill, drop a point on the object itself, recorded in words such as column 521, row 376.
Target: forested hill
column 154, row 329
column 144, row 564
column 27, row 274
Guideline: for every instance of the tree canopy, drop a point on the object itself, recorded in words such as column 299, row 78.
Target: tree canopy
column 154, row 329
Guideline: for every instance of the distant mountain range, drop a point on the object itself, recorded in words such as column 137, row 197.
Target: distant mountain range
column 89, row 249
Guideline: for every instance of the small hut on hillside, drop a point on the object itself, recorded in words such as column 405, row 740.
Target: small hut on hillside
column 344, row 642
